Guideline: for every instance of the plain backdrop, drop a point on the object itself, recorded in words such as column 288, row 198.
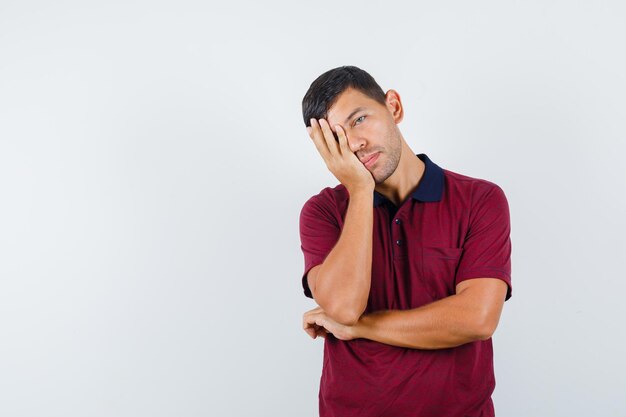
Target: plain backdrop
column 154, row 161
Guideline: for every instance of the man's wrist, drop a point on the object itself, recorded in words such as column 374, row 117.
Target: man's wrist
column 358, row 192
column 361, row 328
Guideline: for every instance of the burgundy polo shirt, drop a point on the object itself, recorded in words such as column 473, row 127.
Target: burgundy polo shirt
column 452, row 228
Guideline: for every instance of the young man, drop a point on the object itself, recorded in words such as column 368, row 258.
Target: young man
column 409, row 264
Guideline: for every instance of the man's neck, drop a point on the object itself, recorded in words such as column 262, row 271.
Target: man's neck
column 405, row 178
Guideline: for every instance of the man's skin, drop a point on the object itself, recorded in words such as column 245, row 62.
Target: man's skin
column 341, row 284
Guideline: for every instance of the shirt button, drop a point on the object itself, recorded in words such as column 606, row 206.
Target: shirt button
column 398, row 221
column 399, row 242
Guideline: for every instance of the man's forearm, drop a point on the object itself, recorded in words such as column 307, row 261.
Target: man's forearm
column 344, row 279
column 449, row 322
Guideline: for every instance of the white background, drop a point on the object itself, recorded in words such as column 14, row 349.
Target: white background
column 154, row 161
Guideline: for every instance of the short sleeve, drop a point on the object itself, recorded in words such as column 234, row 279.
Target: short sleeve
column 487, row 246
column 319, row 232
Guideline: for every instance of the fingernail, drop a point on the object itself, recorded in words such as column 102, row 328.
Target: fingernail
column 308, row 129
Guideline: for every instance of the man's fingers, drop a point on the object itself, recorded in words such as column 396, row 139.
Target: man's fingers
column 322, row 332
column 313, row 323
column 316, row 330
column 343, row 140
column 333, row 146
column 308, row 320
column 309, row 328
column 311, row 319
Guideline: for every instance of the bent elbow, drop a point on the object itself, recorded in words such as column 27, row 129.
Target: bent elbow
column 345, row 316
column 344, row 311
column 486, row 328
column 484, row 334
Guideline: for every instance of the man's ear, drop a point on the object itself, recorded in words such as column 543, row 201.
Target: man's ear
column 394, row 105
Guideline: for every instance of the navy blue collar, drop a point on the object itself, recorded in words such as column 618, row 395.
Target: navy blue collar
column 430, row 187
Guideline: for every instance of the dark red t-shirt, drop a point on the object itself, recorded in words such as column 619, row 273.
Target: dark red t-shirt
column 452, row 228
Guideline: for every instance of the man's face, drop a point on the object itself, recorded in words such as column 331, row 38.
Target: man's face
column 370, row 128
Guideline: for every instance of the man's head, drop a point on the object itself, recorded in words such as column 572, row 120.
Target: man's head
column 326, row 88
column 350, row 97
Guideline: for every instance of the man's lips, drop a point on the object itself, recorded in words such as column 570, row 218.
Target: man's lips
column 371, row 160
column 367, row 158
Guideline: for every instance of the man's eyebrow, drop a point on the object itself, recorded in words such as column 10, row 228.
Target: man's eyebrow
column 355, row 111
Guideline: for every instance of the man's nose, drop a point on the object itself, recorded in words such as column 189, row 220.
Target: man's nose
column 355, row 142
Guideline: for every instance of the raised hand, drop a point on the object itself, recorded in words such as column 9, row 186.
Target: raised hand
column 339, row 158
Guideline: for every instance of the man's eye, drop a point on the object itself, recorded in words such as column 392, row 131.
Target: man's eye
column 362, row 117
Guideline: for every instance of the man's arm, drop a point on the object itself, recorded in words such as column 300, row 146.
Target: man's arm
column 471, row 314
column 341, row 285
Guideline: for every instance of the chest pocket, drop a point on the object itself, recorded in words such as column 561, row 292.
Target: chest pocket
column 439, row 267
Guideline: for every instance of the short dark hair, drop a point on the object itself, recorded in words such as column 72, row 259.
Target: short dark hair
column 326, row 88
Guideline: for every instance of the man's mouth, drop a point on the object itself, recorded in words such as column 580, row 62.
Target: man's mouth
column 370, row 160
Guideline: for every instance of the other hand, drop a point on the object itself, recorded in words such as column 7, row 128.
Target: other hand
column 316, row 323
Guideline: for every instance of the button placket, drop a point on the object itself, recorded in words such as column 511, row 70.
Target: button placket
column 396, row 233
column 399, row 242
